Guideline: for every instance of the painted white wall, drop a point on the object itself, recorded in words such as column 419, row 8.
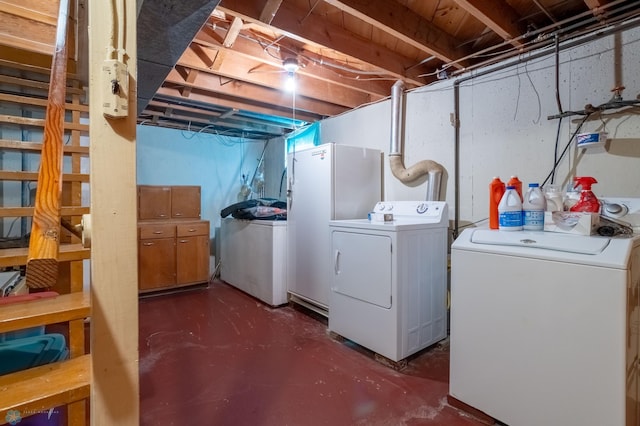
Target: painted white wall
column 504, row 127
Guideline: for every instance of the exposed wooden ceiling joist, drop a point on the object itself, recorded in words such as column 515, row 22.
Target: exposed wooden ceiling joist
column 349, row 53
column 406, row 25
column 498, row 16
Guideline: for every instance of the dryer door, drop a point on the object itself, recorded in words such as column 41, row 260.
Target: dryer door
column 362, row 267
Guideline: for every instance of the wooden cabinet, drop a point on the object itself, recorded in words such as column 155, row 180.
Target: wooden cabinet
column 192, row 253
column 168, row 202
column 172, row 254
column 156, row 256
column 173, row 246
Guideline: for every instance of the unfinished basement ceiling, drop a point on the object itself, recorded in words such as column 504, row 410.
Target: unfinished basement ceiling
column 229, row 78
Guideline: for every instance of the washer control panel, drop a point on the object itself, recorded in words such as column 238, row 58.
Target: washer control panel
column 621, row 208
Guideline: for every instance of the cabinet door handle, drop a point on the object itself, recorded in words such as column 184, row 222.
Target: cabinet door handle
column 147, row 244
column 192, row 230
column 184, row 241
column 178, row 214
column 158, row 232
column 162, row 215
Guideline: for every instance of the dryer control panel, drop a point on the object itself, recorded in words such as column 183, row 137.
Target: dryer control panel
column 417, row 210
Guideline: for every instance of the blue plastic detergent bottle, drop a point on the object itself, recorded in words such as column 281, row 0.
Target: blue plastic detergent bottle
column 510, row 211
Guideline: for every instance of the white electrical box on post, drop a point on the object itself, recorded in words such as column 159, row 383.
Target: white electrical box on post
column 115, row 89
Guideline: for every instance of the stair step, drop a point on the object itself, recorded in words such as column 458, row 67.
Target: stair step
column 33, row 313
column 41, row 388
column 66, row 253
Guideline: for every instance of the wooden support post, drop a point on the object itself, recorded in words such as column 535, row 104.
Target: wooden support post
column 114, row 272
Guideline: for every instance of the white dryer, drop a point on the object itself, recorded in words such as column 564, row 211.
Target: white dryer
column 544, row 327
column 389, row 289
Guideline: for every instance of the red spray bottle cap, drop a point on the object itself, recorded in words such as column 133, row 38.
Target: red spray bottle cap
column 588, row 201
column 585, row 182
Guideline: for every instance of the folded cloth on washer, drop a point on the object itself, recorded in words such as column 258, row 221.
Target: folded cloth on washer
column 257, row 209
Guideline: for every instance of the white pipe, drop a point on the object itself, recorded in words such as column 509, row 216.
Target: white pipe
column 421, row 168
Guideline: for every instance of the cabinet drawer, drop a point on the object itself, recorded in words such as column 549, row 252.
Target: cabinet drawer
column 194, row 228
column 157, row 231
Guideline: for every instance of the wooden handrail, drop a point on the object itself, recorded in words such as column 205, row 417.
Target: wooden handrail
column 42, row 266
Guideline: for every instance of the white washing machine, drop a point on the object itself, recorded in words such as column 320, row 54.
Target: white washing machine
column 544, row 327
column 254, row 257
column 389, row 288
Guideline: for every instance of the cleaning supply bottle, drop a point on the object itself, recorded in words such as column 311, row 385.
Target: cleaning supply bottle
column 517, row 184
column 533, row 209
column 588, row 201
column 496, row 191
column 510, row 211
column 554, row 198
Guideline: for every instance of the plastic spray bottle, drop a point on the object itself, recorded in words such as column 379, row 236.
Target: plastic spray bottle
column 588, row 201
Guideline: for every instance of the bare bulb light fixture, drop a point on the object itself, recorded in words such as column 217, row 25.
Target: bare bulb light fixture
column 290, row 65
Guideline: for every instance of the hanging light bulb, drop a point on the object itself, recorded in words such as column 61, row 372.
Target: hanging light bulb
column 290, row 82
column 290, row 65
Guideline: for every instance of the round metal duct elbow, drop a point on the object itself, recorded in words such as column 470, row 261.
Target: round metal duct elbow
column 414, row 172
column 406, row 175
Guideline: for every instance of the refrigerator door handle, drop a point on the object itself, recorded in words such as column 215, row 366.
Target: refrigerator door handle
column 336, row 262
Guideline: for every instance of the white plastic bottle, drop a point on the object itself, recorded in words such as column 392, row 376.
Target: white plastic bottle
column 510, row 211
column 533, row 209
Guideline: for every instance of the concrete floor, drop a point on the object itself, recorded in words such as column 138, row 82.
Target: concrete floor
column 216, row 356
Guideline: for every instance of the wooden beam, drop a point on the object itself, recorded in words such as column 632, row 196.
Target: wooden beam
column 269, row 11
column 38, row 122
column 67, row 253
column 401, row 22
column 38, row 69
column 42, row 85
column 234, row 31
column 307, row 87
column 27, row 13
column 286, row 104
column 53, row 310
column 28, row 211
column 41, row 388
column 115, row 390
column 498, row 16
column 29, row 100
column 596, row 6
column 33, row 146
column 308, row 97
column 42, row 266
column 256, row 52
column 33, row 176
column 191, row 77
column 323, row 34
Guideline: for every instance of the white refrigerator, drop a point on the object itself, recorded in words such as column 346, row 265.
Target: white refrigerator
column 326, row 182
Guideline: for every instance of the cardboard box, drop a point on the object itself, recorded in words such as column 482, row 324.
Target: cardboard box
column 578, row 223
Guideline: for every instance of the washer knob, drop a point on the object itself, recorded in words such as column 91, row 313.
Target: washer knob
column 615, row 209
column 422, row 208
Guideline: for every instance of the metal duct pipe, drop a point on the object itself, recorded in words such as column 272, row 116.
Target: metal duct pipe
column 433, row 169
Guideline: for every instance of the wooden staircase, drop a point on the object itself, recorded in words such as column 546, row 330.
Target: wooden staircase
column 58, row 131
column 52, row 385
